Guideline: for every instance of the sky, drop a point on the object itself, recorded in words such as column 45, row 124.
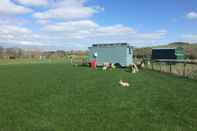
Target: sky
column 77, row 24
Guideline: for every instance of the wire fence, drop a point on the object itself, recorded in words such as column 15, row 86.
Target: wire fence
column 182, row 68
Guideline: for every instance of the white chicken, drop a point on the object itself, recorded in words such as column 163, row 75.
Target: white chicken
column 124, row 84
column 104, row 68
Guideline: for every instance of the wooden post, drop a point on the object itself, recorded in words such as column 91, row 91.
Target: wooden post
column 184, row 70
column 170, row 68
column 152, row 65
column 71, row 60
column 160, row 66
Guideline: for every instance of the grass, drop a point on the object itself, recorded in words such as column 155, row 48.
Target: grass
column 59, row 97
column 31, row 61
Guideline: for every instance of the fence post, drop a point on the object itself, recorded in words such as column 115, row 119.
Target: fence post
column 170, row 68
column 152, row 65
column 184, row 70
column 160, row 66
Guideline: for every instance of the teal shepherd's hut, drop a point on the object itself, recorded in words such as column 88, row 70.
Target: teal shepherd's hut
column 116, row 53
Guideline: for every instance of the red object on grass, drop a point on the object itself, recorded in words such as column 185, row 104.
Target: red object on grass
column 93, row 64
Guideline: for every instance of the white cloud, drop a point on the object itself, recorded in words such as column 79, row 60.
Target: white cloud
column 76, row 35
column 152, row 35
column 13, row 33
column 87, row 29
column 33, row 2
column 27, row 43
column 77, row 39
column 42, row 22
column 114, row 30
column 11, row 29
column 18, row 35
column 192, row 38
column 72, row 26
column 64, row 24
column 67, row 14
column 7, row 7
column 68, row 10
column 192, row 15
column 86, row 32
column 13, row 20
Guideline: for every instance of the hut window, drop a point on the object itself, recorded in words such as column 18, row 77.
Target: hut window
column 129, row 50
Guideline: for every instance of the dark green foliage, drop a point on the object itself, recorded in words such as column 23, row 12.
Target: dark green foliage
column 59, row 97
column 179, row 43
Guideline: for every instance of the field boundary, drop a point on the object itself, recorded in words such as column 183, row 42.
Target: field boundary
column 184, row 68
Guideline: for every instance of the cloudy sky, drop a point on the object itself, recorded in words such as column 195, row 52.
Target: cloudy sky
column 76, row 24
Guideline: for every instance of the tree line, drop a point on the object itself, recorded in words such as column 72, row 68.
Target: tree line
column 18, row 53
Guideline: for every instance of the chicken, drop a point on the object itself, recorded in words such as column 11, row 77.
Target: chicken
column 124, row 84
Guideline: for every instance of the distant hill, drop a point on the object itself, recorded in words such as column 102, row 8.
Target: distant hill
column 189, row 48
column 179, row 44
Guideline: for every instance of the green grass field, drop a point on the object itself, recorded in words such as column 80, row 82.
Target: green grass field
column 59, row 97
column 31, row 61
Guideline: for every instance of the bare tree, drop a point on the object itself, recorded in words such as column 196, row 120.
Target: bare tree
column 14, row 53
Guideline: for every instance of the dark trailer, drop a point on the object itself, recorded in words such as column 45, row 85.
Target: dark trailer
column 168, row 53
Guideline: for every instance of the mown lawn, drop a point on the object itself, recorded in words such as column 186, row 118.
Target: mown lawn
column 59, row 97
column 32, row 61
